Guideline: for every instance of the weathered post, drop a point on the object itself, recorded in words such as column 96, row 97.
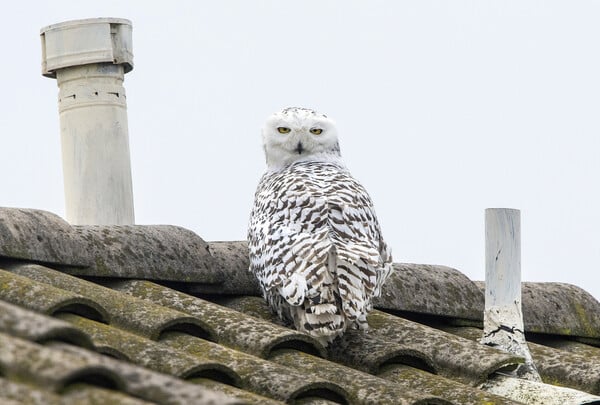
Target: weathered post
column 503, row 316
column 89, row 59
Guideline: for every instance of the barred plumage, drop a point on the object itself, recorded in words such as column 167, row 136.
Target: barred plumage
column 315, row 242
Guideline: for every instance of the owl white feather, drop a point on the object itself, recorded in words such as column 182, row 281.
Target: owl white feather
column 315, row 242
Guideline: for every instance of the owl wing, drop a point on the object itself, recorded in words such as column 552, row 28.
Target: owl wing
column 289, row 244
column 363, row 258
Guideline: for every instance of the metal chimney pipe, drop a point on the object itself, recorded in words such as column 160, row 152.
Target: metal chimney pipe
column 89, row 59
column 503, row 317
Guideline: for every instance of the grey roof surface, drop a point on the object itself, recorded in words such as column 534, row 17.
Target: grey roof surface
column 154, row 314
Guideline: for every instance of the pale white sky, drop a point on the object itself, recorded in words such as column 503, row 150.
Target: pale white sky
column 445, row 108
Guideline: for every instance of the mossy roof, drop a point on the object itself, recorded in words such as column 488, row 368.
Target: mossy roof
column 154, row 314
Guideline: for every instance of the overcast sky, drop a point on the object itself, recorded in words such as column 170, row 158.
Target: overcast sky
column 444, row 108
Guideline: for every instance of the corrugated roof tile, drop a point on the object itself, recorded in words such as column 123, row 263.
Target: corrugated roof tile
column 231, row 258
column 555, row 366
column 143, row 383
column 34, row 327
column 391, row 339
column 12, row 392
column 559, row 309
column 434, row 290
column 48, row 368
column 571, row 346
column 258, row 375
column 196, row 327
column 245, row 397
column 151, row 354
column 39, row 236
column 44, row 298
column 127, row 312
column 159, row 252
column 574, row 311
column 418, row 380
column 232, row 328
column 363, row 388
column 446, row 350
column 85, row 394
column 560, row 367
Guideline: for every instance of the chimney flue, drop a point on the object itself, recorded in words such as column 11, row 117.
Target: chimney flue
column 503, row 317
column 89, row 59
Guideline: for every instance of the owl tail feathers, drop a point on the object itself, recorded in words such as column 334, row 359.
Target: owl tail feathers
column 322, row 321
column 293, row 290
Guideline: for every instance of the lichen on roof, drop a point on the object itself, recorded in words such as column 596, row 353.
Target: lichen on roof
column 153, row 314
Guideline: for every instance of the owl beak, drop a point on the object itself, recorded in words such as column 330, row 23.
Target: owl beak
column 299, row 148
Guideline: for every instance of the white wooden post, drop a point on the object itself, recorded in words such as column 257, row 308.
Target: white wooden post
column 503, row 316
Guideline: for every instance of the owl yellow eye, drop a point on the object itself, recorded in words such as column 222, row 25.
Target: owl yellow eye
column 283, row 130
column 316, row 131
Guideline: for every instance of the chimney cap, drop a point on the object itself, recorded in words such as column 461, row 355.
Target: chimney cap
column 81, row 42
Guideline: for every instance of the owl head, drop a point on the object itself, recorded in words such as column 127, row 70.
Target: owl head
column 299, row 134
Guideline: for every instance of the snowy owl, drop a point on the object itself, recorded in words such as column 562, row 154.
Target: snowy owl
column 315, row 243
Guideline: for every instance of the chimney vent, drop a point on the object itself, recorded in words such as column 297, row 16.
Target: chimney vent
column 89, row 59
column 503, row 317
